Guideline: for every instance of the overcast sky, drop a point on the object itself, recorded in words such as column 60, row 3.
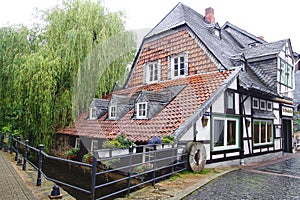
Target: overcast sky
column 275, row 20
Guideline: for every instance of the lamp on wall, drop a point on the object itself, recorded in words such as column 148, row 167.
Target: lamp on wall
column 247, row 123
column 204, row 121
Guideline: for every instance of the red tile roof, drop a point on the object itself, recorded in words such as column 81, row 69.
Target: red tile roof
column 199, row 88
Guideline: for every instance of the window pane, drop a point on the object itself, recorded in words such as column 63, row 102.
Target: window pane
column 269, row 132
column 218, row 133
column 231, row 132
column 175, row 66
column 151, row 72
column 181, row 65
column 256, row 132
column 230, row 100
column 255, row 103
column 263, row 132
column 155, row 73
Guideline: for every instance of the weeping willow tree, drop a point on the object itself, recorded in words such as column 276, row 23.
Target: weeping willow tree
column 49, row 74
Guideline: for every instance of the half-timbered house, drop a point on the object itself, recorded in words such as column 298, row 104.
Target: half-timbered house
column 220, row 86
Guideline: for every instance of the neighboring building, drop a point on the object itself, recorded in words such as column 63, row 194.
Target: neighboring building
column 297, row 92
column 220, row 86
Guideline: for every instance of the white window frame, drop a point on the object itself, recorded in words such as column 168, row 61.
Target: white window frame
column 258, row 103
column 112, row 114
column 93, row 114
column 138, row 116
column 77, row 143
column 152, row 74
column 269, row 103
column 94, row 143
column 225, row 145
column 260, row 134
column 183, row 64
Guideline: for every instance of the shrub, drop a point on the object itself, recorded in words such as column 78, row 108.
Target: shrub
column 168, row 139
column 72, row 153
column 121, row 142
column 88, row 158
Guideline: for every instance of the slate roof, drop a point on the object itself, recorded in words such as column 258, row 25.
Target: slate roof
column 232, row 43
column 196, row 91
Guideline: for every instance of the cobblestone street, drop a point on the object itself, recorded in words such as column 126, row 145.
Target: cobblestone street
column 273, row 181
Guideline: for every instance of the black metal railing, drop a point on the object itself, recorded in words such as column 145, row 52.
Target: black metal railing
column 110, row 168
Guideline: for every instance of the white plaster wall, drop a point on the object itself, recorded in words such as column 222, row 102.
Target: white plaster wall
column 247, row 105
column 218, row 106
column 189, row 135
column 203, row 132
column 277, row 143
column 233, row 85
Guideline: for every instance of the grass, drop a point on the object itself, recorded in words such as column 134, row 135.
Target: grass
column 179, row 175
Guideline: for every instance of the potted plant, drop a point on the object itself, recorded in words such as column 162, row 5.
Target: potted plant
column 88, row 158
column 72, row 153
column 168, row 141
column 118, row 146
column 155, row 141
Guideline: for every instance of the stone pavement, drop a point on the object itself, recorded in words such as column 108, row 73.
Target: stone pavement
column 18, row 184
column 12, row 186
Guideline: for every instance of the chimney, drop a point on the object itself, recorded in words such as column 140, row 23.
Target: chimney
column 261, row 37
column 209, row 15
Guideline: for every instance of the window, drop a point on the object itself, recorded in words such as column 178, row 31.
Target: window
column 77, row 143
column 112, row 112
column 255, row 103
column 269, row 106
column 93, row 113
column 141, row 110
column 94, row 145
column 153, row 72
column 229, row 102
column 262, row 104
column 179, row 66
column 286, row 73
column 225, row 133
column 262, row 132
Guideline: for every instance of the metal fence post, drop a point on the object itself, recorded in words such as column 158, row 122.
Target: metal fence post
column 130, row 170
column 154, row 166
column 39, row 178
column 25, row 155
column 17, row 148
column 93, row 178
column 2, row 139
column 11, row 143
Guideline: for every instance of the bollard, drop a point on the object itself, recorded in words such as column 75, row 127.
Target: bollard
column 39, row 178
column 25, row 155
column 17, row 148
column 55, row 193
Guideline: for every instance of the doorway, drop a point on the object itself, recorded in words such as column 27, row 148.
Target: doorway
column 287, row 136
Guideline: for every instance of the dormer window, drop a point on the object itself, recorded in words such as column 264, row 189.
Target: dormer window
column 112, row 112
column 141, row 112
column 93, row 113
column 179, row 66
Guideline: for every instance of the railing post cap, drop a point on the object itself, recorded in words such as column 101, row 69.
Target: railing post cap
column 41, row 146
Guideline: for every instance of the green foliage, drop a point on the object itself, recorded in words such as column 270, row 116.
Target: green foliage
column 142, row 168
column 110, row 164
column 72, row 153
column 49, row 74
column 88, row 158
column 120, row 142
column 168, row 139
